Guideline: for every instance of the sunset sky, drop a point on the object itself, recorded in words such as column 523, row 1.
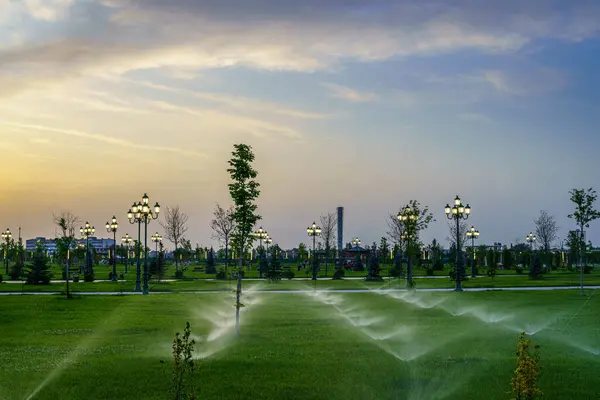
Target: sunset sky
column 364, row 104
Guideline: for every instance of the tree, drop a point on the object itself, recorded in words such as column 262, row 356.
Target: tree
column 158, row 265
column 384, row 248
column 535, row 271
column 39, row 270
column 274, row 270
column 211, row 265
column 584, row 214
column 527, row 373
column 244, row 191
column 223, row 226
column 328, row 232
column 67, row 223
column 183, row 366
column 373, row 269
column 436, row 255
column 546, row 230
column 302, row 252
column 462, row 229
column 175, row 226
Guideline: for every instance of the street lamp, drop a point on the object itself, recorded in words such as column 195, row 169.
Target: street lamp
column 457, row 212
column 409, row 218
column 156, row 238
column 314, row 231
column 127, row 242
column 6, row 236
column 86, row 231
column 261, row 235
column 531, row 240
column 143, row 213
column 356, row 242
column 113, row 226
column 473, row 234
column 268, row 241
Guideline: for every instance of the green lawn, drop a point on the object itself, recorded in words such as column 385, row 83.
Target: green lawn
column 299, row 346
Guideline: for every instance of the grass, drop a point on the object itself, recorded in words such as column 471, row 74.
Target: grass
column 298, row 346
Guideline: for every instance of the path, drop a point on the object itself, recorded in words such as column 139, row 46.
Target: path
column 293, row 291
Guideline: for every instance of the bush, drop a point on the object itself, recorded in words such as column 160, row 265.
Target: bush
column 88, row 276
column 339, row 274
column 221, row 275
column 588, row 269
column 395, row 272
column 429, row 271
column 535, row 272
column 1, row 278
column 16, row 271
column 287, row 275
column 519, row 269
column 76, row 278
column 179, row 274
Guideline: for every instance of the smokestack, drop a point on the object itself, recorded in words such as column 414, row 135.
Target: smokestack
column 340, row 226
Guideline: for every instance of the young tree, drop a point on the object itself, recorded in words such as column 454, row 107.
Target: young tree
column 328, row 232
column 373, row 271
column 67, row 223
column 175, row 226
column 527, row 373
column 223, row 226
column 158, row 265
column 384, row 249
column 244, row 191
column 535, row 270
column 546, row 230
column 211, row 265
column 584, row 214
column 184, row 366
column 302, row 252
column 274, row 271
column 39, row 270
column 412, row 227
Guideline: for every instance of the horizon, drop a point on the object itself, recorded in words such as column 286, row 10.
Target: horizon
column 365, row 105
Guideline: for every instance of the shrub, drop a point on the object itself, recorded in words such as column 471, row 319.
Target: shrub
column 179, row 274
column 1, row 278
column 184, row 366
column 588, row 269
column 221, row 275
column 463, row 275
column 339, row 274
column 76, row 278
column 535, row 272
column 429, row 271
column 527, row 373
column 39, row 270
column 395, row 272
column 287, row 275
column 88, row 276
column 519, row 269
column 16, row 271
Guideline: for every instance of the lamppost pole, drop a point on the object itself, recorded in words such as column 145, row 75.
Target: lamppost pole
column 86, row 231
column 473, row 234
column 409, row 218
column 457, row 212
column 113, row 226
column 268, row 241
column 143, row 213
column 260, row 234
column 134, row 216
column 314, row 231
column 531, row 240
column 156, row 238
column 7, row 236
column 127, row 241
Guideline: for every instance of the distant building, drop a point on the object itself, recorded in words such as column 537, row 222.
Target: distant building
column 49, row 244
column 102, row 246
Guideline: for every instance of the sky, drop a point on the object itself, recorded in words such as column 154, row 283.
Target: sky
column 365, row 104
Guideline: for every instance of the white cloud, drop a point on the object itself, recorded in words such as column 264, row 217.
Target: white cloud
column 349, row 94
column 48, row 10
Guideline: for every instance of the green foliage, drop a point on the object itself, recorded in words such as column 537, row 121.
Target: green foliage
column 183, row 366
column 17, row 270
column 221, row 275
column 274, row 271
column 527, row 373
column 519, row 269
column 302, row 252
column 384, row 248
column 584, row 206
column 358, row 263
column 158, row 265
column 287, row 274
column 211, row 265
column 39, row 270
column 244, row 191
column 508, row 258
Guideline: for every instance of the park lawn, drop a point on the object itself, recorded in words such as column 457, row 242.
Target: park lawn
column 299, row 346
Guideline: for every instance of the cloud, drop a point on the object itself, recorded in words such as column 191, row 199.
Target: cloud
column 524, row 82
column 48, row 10
column 474, row 117
column 101, row 138
column 346, row 93
column 39, row 140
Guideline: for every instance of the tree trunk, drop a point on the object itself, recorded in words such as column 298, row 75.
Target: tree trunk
column 238, row 291
column 176, row 260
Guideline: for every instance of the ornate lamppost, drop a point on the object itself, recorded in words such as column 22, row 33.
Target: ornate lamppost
column 156, row 238
column 409, row 218
column 142, row 213
column 314, row 231
column 87, row 231
column 457, row 212
column 268, row 241
column 6, row 236
column 261, row 235
column 112, row 227
column 473, row 234
column 127, row 242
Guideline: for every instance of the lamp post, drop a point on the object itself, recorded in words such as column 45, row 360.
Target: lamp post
column 268, row 241
column 112, row 227
column 6, row 236
column 261, row 235
column 156, row 238
column 531, row 240
column 473, row 234
column 143, row 213
column 314, row 231
column 86, row 231
column 127, row 242
column 135, row 217
column 409, row 218
column 457, row 212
